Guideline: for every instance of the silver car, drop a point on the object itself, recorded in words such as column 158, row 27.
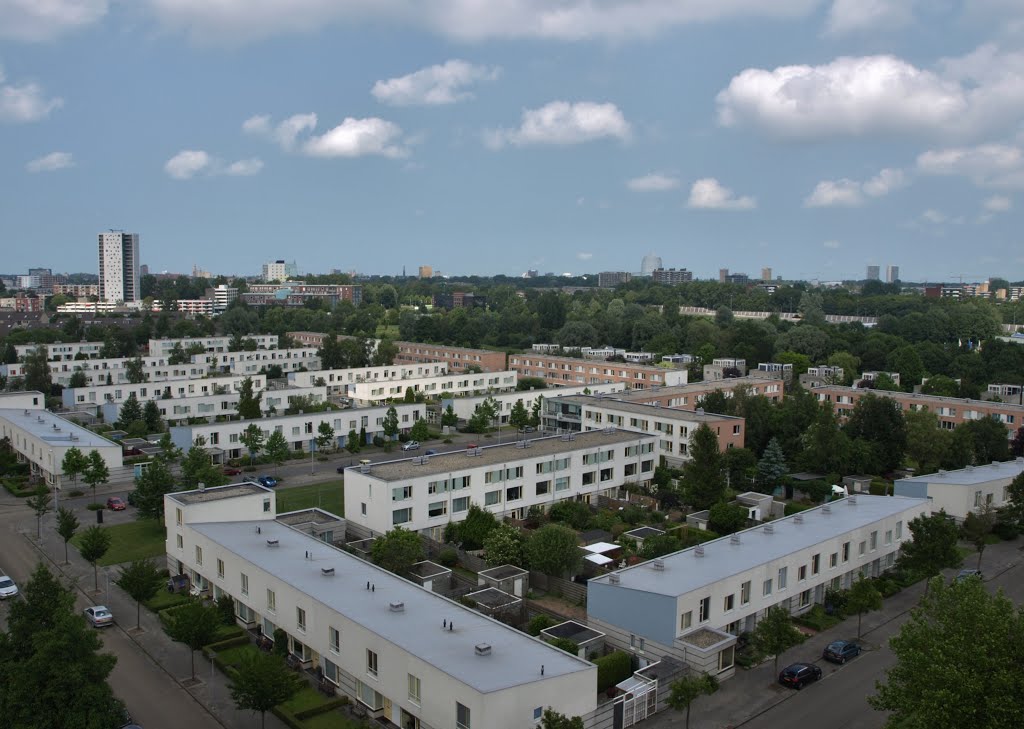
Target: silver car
column 7, row 587
column 99, row 616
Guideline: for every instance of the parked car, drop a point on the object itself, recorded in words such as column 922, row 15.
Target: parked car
column 471, row 446
column 529, row 429
column 412, row 445
column 430, row 452
column 967, row 574
column 7, row 587
column 116, row 503
column 799, row 675
column 232, row 471
column 268, row 481
column 99, row 616
column 840, row 651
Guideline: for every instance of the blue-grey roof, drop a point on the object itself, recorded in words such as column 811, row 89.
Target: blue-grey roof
column 685, row 571
column 972, row 475
column 515, row 658
column 40, row 423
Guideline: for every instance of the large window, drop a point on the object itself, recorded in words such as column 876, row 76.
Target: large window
column 727, row 658
column 401, row 493
column 513, row 493
column 401, row 516
column 460, row 504
column 369, row 696
column 271, row 601
column 805, row 598
column 462, row 716
column 371, row 663
column 589, row 477
column 414, row 689
column 542, row 488
column 562, row 483
column 705, row 610
column 438, row 508
column 492, row 497
column 334, row 636
column 331, row 672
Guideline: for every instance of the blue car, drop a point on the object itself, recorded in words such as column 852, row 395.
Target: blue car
column 841, row 651
column 267, row 481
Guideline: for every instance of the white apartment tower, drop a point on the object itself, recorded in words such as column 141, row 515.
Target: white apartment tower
column 892, row 274
column 119, row 266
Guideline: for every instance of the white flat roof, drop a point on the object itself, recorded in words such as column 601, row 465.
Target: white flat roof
column 972, row 475
column 55, row 430
column 601, row 547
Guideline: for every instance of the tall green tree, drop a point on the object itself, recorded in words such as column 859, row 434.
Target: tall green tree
column 93, row 545
column 150, row 488
column 704, row 473
column 551, row 719
column 197, row 468
column 135, row 370
column 324, row 435
column 933, row 546
column 472, row 531
column 978, row 526
column 252, row 439
column 449, row 418
column 78, row 379
column 39, row 502
column 169, row 452
column 863, row 597
column 504, row 545
column 1015, row 499
column 277, row 448
column 553, row 550
column 67, row 525
column 771, row 468
column 398, row 550
column 958, row 662
column 879, row 421
column 419, row 431
column 775, row 634
column 249, row 401
column 927, row 444
column 96, row 472
column 688, row 689
column 518, row 417
column 131, row 412
column 74, row 464
column 262, row 681
column 36, row 370
column 142, row 581
column 195, row 625
column 390, row 424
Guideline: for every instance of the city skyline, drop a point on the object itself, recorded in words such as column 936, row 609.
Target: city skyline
column 498, row 142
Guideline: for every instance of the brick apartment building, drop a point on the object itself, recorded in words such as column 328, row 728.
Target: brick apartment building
column 567, row 371
column 688, row 396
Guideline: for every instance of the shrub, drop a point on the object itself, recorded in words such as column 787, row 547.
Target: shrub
column 879, row 487
column 378, row 441
column 280, row 642
column 566, row 645
column 448, row 557
column 538, row 623
column 792, row 508
column 95, row 507
column 613, row 668
column 226, row 607
column 817, row 619
column 75, row 493
column 1006, row 530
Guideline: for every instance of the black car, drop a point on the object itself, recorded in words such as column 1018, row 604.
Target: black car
column 132, row 498
column 799, row 675
column 841, row 651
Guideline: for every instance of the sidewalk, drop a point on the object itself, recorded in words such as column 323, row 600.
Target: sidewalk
column 174, row 658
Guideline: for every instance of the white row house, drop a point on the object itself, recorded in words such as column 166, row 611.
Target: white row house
column 63, row 351
column 250, row 363
column 965, row 490
column 96, row 395
column 99, row 371
column 339, row 380
column 462, row 384
column 427, row 492
column 213, row 345
column 464, row 407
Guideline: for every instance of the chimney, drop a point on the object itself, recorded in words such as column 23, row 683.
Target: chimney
column 798, row 518
column 734, row 539
column 769, row 528
column 613, row 578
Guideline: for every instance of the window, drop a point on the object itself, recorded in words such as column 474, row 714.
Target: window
column 562, row 483
column 874, row 541
column 846, row 551
column 647, row 466
column 181, row 542
column 199, row 554
column 729, row 602
column 414, row 689
column 783, row 573
column 705, row 610
column 801, row 573
column 745, row 593
column 606, row 474
column 538, row 713
column 178, row 516
column 371, row 663
column 767, row 587
column 630, row 469
column 271, row 601
column 331, row 672
column 300, row 619
column 461, row 716
column 401, row 493
column 438, row 508
column 245, row 584
column 362, row 508
column 368, row 696
column 492, row 497
column 460, row 504
column 805, row 598
column 401, row 516
column 686, row 620
column 888, row 536
column 513, row 493
column 220, row 568
column 334, row 637
column 977, row 498
column 266, row 505
column 815, row 564
column 588, row 477
column 542, row 488
column 727, row 658
column 833, row 560
column 899, row 525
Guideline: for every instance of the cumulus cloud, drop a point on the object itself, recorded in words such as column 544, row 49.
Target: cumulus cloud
column 217, row 21
column 187, row 163
column 654, row 182
column 24, row 103
column 850, row 16
column 244, row 167
column 998, row 204
column 986, row 165
column 831, row 245
column 858, row 96
column 562, row 122
column 51, row 162
column 885, row 182
column 285, row 133
column 850, row 193
column 709, row 194
column 584, row 256
column 356, row 138
column 40, row 20
column 435, row 85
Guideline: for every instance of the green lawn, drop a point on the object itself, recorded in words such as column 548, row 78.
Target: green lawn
column 135, row 540
column 233, row 656
column 329, row 496
column 164, row 600
column 333, row 720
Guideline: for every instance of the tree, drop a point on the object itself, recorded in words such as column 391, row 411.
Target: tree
column 135, row 370
column 39, row 502
column 775, row 634
column 324, row 435
column 551, row 719
column 150, row 488
column 261, row 682
column 704, row 473
column 78, row 379
column 398, row 550
column 151, row 416
column 1017, row 443
column 988, row 440
column 36, row 370
column 390, row 424
column 1015, row 499
column 660, row 545
column 933, row 547
column 725, row 518
column 771, row 468
column 688, row 689
column 879, row 421
column 248, row 401
column 519, row 418
column 535, row 411
column 504, row 545
column 197, row 468
column 957, row 662
column 96, row 472
column 471, row 532
column 449, row 418
column 142, row 581
column 277, row 448
column 978, row 526
column 94, row 544
column 927, row 444
column 67, row 525
column 195, row 625
column 131, row 412
column 553, row 550
column 863, row 597
column 419, row 431
column 74, row 464
column 252, row 438
column 169, row 453
column 352, row 441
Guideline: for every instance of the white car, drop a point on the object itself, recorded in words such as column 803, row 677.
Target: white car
column 99, row 616
column 7, row 587
column 411, row 446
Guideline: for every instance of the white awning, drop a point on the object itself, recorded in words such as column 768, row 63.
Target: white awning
column 601, row 548
column 598, row 559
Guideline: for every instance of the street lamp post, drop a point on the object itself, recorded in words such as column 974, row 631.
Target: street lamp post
column 312, row 452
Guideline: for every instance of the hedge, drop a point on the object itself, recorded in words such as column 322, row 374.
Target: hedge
column 612, row 669
column 219, row 646
column 330, row 705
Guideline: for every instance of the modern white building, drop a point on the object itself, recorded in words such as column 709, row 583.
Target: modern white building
column 223, row 296
column 463, row 384
column 212, row 345
column 691, row 604
column 76, row 397
column 464, row 407
column 425, row 493
column 407, row 654
column 279, row 270
column 63, row 351
column 97, row 371
column 250, row 363
column 42, row 439
column 338, row 381
column 299, row 430
column 119, row 266
column 960, row 492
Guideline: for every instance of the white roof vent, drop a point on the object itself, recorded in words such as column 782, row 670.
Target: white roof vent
column 851, row 500
column 826, row 509
column 734, row 539
column 272, row 543
column 396, row 607
column 699, row 550
column 327, row 571
column 769, row 528
column 482, row 649
column 798, row 518
column 614, row 579
column 658, row 564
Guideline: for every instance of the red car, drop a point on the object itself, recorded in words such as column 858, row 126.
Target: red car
column 116, row 503
column 232, row 471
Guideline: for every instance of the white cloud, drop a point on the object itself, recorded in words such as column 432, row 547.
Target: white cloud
column 869, row 95
column 25, row 103
column 187, row 163
column 654, row 182
column 852, row 16
column 51, row 162
column 933, row 216
column 831, row 245
column 850, row 193
column 998, row 204
column 584, row 256
column 284, row 133
column 561, row 122
column 356, row 138
column 217, row 21
column 244, row 167
column 440, row 84
column 885, row 182
column 709, row 194
column 39, row 20
column 986, row 165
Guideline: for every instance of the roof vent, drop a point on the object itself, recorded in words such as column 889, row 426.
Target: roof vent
column 734, row 539
column 798, row 518
column 396, row 607
column 826, row 509
column 201, row 486
column 969, row 468
column 769, row 528
column 364, row 468
column 699, row 550
column 852, row 499
column 482, row 649
column 614, row 578
column 272, row 542
column 327, row 571
column 658, row 564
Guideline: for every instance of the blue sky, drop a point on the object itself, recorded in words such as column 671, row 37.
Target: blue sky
column 812, row 136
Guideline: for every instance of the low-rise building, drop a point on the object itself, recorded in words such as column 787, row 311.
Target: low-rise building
column 1005, row 392
column 460, row 384
column 292, row 293
column 724, row 368
column 464, row 407
column 428, row 492
column 406, row 654
column 95, row 395
column 99, row 371
column 338, row 381
column 212, row 345
column 773, row 370
column 456, row 358
column 63, row 351
column 195, row 307
column 689, row 395
column 690, row 605
column 960, row 492
column 567, row 371
column 611, row 279
column 671, row 276
column 822, row 375
column 872, row 376
column 251, row 363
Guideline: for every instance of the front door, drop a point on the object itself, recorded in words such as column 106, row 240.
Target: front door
column 387, row 708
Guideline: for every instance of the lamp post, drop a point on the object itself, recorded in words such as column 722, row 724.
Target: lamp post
column 312, row 452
